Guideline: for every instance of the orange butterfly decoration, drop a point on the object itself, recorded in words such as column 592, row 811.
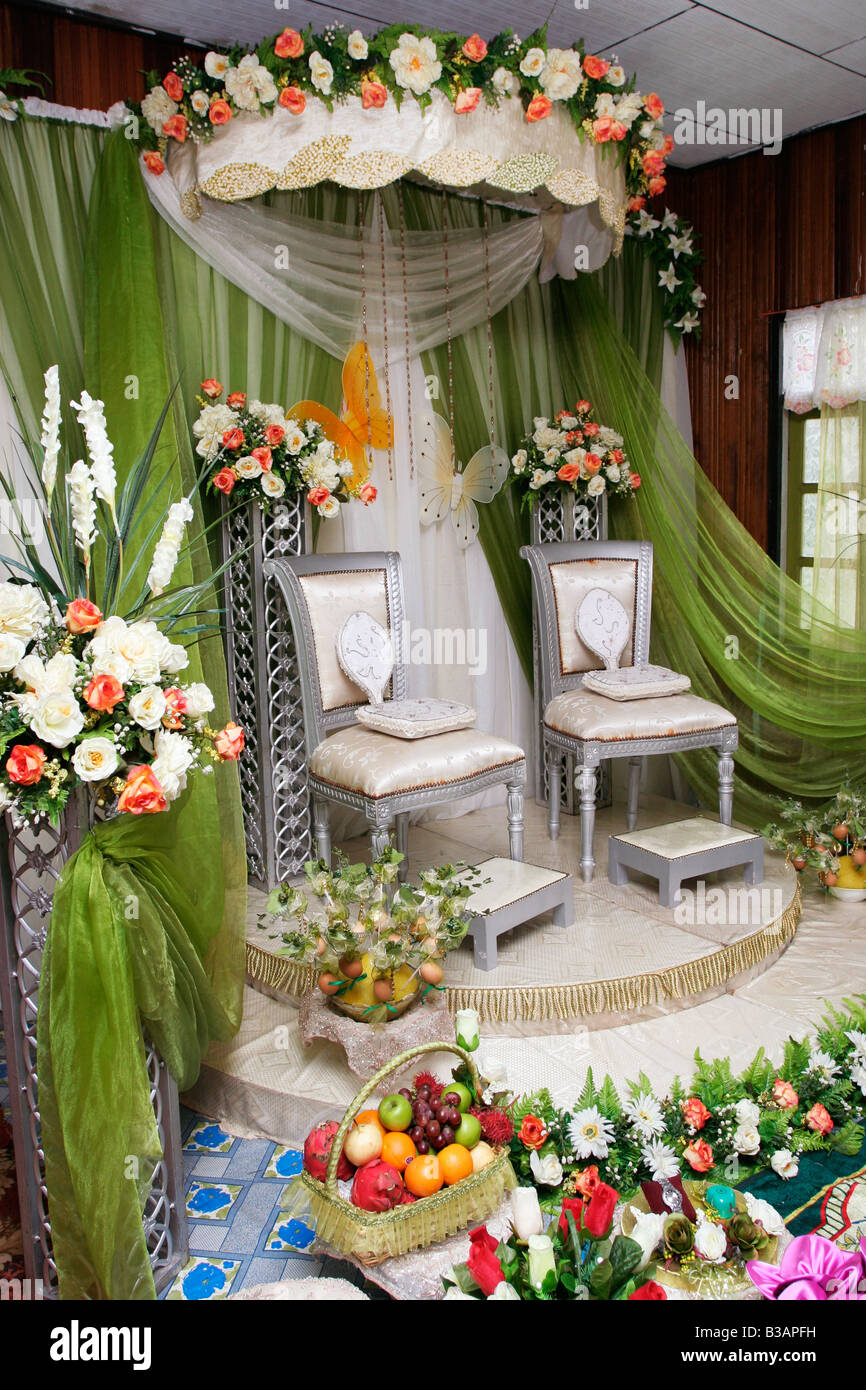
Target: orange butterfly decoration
column 365, row 421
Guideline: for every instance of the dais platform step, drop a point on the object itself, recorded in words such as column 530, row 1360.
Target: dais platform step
column 515, row 894
column 684, row 849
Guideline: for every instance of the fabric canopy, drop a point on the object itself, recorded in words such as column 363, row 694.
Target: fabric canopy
column 824, row 355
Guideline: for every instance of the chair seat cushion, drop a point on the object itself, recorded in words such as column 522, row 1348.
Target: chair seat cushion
column 585, row 715
column 374, row 764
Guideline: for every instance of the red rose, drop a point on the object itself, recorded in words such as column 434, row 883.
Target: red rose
column 224, row 480
column 618, row 131
column 695, row 1113
column 574, row 437
column 583, row 407
column 598, row 1211
column 293, row 99
column 699, row 1156
column 595, row 67
column 575, row 1206
column 648, row 1292
column 373, row 94
column 263, row 457
column 617, row 456
column 467, row 100
column 289, row 44
column 142, row 795
column 668, row 145
column 482, row 1263
column 591, row 428
column 275, row 434
column 220, row 112
column 317, row 495
column 538, row 109
column 532, row 1133
column 153, row 162
column 586, row 1180
column 236, row 400
column 233, row 439
column 475, row 49
column 173, row 85
column 212, row 388
column 103, row 693
column 654, row 106
column 25, row 763
column 82, row 616
column 175, row 128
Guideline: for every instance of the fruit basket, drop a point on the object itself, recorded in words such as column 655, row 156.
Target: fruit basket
column 373, row 1236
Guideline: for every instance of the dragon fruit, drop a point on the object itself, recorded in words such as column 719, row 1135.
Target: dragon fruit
column 317, row 1150
column 377, row 1187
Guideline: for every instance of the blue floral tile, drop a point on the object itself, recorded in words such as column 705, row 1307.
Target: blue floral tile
column 208, row 1138
column 289, row 1235
column 285, row 1163
column 211, row 1200
column 203, row 1279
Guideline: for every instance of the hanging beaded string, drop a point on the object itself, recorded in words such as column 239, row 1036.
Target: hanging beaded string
column 448, row 324
column 381, row 215
column 490, row 377
column 362, row 219
column 406, row 322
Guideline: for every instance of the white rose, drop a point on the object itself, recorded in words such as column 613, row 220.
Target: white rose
column 95, row 759
column 552, row 457
column 596, row 486
column 613, row 472
column 173, row 658
column 453, row 1295
column 711, row 1242
column 321, row 73
column 540, row 422
column 747, row 1140
column 615, row 75
column 505, row 82
column 57, row 718
column 329, row 508
column 199, row 102
column 23, row 610
column 547, row 1171
column 533, row 64
column 357, row 45
column 568, row 422
column 562, row 74
column 174, row 756
column 148, row 707
column 248, row 467
column 11, row 651
column 250, row 83
column 576, row 456
column 415, row 63
column 503, row 1293
column 784, row 1163
column 272, row 485
column 295, row 440
column 605, row 105
column 112, row 664
column 199, row 700
column 747, row 1112
column 648, row 1231
column 762, row 1211
column 56, row 674
column 540, row 477
column 138, row 644
column 157, row 108
column 216, row 64
column 518, row 463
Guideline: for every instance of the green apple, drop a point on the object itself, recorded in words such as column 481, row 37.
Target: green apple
column 395, row 1112
column 456, row 1088
column 468, row 1131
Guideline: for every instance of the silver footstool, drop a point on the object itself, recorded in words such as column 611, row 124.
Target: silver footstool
column 515, row 894
column 684, row 849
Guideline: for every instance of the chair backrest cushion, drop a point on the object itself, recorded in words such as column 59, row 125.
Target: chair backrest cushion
column 331, row 596
column 572, row 580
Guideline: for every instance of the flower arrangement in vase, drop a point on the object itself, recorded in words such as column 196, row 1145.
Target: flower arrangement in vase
column 574, row 452
column 91, row 684
column 830, row 839
column 377, row 945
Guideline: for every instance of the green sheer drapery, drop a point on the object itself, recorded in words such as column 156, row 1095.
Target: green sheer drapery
column 839, row 564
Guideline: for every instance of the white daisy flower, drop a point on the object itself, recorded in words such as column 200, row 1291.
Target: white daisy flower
column 590, row 1133
column 645, row 1114
column 661, row 1160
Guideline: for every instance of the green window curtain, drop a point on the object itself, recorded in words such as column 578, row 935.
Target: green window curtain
column 839, row 563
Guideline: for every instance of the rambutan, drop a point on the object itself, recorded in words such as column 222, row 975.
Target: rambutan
column 426, row 1078
column 497, row 1126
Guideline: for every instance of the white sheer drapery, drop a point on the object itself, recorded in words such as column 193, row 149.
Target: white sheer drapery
column 824, row 355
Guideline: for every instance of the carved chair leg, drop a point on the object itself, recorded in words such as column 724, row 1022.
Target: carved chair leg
column 634, row 767
column 586, row 786
column 322, row 828
column 515, row 820
column 380, row 836
column 554, row 763
column 726, row 788
column 402, row 839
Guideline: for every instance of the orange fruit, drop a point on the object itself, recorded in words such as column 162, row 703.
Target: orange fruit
column 455, row 1160
column 423, row 1176
column 398, row 1150
column 370, row 1117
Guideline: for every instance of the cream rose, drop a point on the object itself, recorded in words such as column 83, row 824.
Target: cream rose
column 157, row 108
column 596, row 486
column 321, row 73
column 533, row 63
column 747, row 1140
column 562, row 74
column 272, row 485
column 505, row 82
column 148, row 707
column 711, row 1242
column 95, row 759
column 57, row 718
column 199, row 700
column 174, row 757
column 199, row 102
column 329, row 508
column 11, row 651
column 547, row 1171
column 784, row 1163
column 23, row 610
column 357, row 45
column 415, row 63
column 295, row 440
column 518, row 463
column 216, row 64
column 248, row 467
column 747, row 1112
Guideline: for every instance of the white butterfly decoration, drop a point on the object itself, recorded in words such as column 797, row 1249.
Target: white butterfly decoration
column 446, row 492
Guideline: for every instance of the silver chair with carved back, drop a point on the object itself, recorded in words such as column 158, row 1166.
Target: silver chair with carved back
column 591, row 726
column 381, row 775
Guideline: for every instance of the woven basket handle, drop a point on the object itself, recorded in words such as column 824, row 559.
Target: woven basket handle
column 370, row 1086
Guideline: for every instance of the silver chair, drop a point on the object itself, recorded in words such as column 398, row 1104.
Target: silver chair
column 593, row 727
column 383, row 776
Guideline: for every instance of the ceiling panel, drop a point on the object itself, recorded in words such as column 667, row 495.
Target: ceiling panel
column 806, row 23
column 605, row 23
column 853, row 56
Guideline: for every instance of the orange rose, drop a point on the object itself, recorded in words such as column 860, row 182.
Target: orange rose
column 211, row 388
column 275, row 434
column 653, row 163
column 654, row 106
column 373, row 94
column 153, row 162
column 695, row 1113
column 317, row 495
column 219, row 112
column 289, row 44
column 657, row 185
column 533, row 1132
column 668, row 145
column 293, row 99
column 175, row 128
column 595, row 67
column 82, row 616
column 538, row 108
column 475, row 49
column 175, row 708
column 591, row 429
column 263, row 457
column 224, row 480
column 617, row 456
column 368, row 494
column 819, row 1119
column 618, row 131
column 173, row 85
column 635, row 204
column 601, row 129
column 103, row 693
column 233, row 439
column 699, row 1155
column 574, row 437
column 25, row 763
column 236, row 400
column 587, row 1180
column 568, row 472
column 784, row 1095
column 634, row 479
column 467, row 100
column 142, row 795
column 229, row 742
column 591, row 463
column 583, row 407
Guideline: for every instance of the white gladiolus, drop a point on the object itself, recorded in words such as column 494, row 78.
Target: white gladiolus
column 91, row 418
column 168, row 546
column 83, row 507
column 50, row 440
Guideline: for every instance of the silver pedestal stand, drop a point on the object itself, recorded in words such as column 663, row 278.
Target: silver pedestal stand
column 265, row 689
column 563, row 516
column 30, row 865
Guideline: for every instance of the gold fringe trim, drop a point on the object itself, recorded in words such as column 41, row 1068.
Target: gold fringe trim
column 625, row 994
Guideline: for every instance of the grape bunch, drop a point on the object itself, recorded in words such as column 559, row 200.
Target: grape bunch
column 435, row 1121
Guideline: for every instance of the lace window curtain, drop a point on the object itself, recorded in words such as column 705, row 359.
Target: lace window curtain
column 824, row 356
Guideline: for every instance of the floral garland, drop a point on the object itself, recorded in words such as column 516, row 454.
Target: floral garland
column 573, row 451
column 669, row 242
column 258, row 453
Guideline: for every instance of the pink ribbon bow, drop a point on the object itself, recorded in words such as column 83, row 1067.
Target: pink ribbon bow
column 813, row 1267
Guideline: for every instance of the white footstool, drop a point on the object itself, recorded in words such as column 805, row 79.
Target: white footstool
column 684, row 849
column 515, row 894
